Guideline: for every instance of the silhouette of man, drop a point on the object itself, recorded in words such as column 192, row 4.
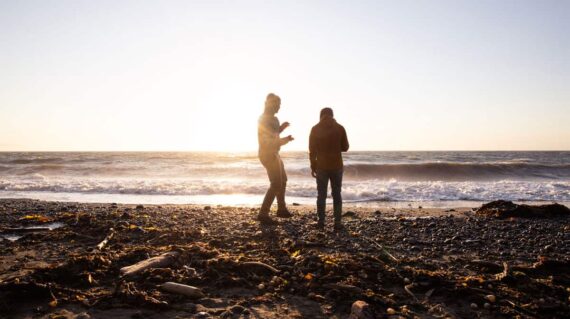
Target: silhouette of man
column 270, row 143
column 326, row 143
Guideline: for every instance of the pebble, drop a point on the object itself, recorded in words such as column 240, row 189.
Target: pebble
column 360, row 310
column 390, row 311
column 237, row 309
column 491, row 298
column 474, row 306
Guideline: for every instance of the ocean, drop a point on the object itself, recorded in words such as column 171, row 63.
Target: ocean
column 371, row 178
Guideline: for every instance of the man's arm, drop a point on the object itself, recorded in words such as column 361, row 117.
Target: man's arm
column 312, row 152
column 344, row 140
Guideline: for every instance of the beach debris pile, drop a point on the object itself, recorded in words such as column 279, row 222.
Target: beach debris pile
column 217, row 262
column 508, row 209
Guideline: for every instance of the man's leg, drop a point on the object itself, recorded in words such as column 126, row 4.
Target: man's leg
column 267, row 201
column 322, row 186
column 274, row 174
column 281, row 206
column 336, row 185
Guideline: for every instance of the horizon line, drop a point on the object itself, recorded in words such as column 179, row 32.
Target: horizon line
column 286, row 151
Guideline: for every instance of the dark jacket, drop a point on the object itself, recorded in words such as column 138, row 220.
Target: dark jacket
column 326, row 142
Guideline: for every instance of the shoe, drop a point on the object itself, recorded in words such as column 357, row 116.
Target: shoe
column 338, row 227
column 266, row 220
column 284, row 213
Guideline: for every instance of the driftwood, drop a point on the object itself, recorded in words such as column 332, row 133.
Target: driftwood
column 186, row 290
column 25, row 230
column 154, row 262
column 384, row 250
column 505, row 275
column 344, row 287
column 105, row 241
column 259, row 265
column 409, row 291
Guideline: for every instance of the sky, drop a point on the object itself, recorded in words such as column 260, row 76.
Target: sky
column 193, row 75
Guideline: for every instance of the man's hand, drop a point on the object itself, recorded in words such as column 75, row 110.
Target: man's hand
column 283, row 126
column 313, row 173
column 287, row 139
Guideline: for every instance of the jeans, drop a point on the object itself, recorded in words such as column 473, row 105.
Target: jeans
column 277, row 182
column 323, row 177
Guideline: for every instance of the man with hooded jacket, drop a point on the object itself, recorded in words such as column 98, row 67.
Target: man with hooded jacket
column 326, row 143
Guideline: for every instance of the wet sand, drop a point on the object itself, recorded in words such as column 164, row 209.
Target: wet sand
column 403, row 262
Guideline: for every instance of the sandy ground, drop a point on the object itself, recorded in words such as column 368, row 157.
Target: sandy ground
column 403, row 262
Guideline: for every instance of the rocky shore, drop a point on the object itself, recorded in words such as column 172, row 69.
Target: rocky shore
column 76, row 260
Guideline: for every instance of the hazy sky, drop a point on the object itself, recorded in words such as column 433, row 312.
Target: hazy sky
column 193, row 75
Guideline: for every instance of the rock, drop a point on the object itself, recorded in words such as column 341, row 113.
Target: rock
column 139, row 207
column 202, row 314
column 349, row 214
column 237, row 309
column 390, row 311
column 491, row 298
column 360, row 310
column 207, row 207
column 83, row 315
column 506, row 209
column 474, row 306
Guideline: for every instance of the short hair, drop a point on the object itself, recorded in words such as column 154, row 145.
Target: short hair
column 271, row 100
column 327, row 111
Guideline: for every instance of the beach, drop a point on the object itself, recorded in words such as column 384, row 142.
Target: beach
column 392, row 261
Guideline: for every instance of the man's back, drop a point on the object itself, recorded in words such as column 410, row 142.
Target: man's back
column 326, row 143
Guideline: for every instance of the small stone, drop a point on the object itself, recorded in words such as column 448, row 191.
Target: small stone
column 202, row 314
column 83, row 315
column 261, row 286
column 207, row 207
column 140, row 207
column 237, row 309
column 487, row 305
column 491, row 298
column 390, row 311
column 474, row 306
column 360, row 310
column 407, row 281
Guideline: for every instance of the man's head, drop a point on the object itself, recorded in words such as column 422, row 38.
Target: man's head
column 272, row 103
column 327, row 111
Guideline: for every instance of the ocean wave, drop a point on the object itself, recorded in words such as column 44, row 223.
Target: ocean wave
column 352, row 190
column 457, row 171
column 361, row 166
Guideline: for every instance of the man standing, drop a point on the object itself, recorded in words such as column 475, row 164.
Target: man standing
column 270, row 143
column 326, row 143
